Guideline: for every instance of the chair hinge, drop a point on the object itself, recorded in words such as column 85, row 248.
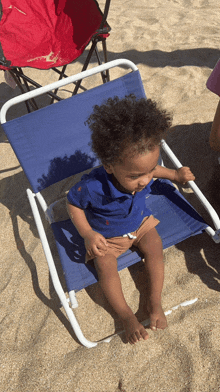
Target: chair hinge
column 216, row 237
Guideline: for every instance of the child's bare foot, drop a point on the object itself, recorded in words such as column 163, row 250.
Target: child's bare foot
column 134, row 330
column 157, row 317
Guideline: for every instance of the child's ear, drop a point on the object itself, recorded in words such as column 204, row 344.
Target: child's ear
column 108, row 168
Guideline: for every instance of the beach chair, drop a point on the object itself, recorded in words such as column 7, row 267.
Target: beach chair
column 53, row 144
column 50, row 35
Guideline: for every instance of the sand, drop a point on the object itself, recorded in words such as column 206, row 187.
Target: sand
column 175, row 44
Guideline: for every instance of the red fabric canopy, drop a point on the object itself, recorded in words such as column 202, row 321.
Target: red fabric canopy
column 46, row 33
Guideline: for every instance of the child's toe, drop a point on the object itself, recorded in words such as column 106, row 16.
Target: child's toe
column 132, row 339
column 144, row 334
column 161, row 324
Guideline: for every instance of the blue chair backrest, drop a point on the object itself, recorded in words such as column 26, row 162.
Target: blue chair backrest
column 53, row 143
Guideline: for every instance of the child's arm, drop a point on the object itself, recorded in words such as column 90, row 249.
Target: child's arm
column 214, row 138
column 181, row 175
column 95, row 243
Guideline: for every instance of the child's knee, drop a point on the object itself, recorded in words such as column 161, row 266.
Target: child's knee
column 105, row 264
column 151, row 243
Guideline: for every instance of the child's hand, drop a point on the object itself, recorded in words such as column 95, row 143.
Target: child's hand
column 183, row 175
column 95, row 244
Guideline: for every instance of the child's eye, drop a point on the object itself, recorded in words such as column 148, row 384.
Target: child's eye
column 134, row 177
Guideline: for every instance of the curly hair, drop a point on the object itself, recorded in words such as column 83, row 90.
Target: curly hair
column 137, row 125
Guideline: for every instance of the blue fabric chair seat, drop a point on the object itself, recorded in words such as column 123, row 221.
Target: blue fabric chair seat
column 178, row 221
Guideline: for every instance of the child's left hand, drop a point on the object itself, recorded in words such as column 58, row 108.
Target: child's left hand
column 183, row 175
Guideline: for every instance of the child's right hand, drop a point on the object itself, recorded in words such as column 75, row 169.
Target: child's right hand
column 183, row 175
column 95, row 244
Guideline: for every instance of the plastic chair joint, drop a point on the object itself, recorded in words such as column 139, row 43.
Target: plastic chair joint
column 216, row 237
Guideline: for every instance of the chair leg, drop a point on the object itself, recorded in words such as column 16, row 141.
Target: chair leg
column 65, row 76
column 104, row 47
column 17, row 79
column 62, row 74
column 94, row 43
column 105, row 75
column 20, row 75
column 53, row 272
column 32, row 101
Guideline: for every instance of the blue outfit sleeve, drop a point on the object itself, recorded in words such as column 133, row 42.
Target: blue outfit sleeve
column 79, row 195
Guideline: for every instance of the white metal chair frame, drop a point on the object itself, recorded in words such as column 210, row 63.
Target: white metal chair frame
column 215, row 234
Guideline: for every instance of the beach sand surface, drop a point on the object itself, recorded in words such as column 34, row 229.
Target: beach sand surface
column 175, row 45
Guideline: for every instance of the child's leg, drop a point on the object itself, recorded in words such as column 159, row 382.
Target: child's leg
column 151, row 247
column 109, row 280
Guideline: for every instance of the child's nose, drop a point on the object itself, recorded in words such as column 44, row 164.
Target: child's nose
column 144, row 181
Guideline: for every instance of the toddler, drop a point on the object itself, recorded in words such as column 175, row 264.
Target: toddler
column 108, row 205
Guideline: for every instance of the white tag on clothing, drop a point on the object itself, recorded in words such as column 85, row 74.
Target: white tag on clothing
column 131, row 236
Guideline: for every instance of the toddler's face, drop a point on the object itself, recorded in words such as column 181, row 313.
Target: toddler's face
column 134, row 173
